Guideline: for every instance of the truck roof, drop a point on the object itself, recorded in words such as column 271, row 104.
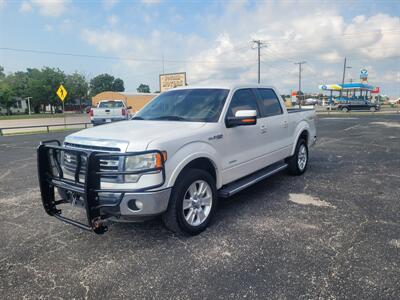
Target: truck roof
column 226, row 86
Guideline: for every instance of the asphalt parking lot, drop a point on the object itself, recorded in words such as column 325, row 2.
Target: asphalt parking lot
column 332, row 233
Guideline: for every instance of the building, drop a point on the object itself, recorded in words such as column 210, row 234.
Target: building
column 19, row 107
column 136, row 100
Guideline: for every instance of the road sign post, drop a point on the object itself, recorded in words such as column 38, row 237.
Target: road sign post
column 62, row 94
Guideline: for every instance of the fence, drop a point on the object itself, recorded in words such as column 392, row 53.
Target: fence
column 43, row 126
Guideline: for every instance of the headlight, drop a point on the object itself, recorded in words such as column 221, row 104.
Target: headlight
column 142, row 162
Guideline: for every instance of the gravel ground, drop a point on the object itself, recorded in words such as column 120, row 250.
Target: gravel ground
column 332, row 233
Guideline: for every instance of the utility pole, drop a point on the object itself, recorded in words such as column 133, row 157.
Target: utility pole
column 344, row 75
column 300, row 63
column 259, row 44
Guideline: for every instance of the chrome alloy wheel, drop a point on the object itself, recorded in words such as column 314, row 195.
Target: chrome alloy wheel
column 302, row 157
column 197, row 202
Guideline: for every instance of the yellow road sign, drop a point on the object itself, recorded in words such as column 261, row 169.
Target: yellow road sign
column 62, row 92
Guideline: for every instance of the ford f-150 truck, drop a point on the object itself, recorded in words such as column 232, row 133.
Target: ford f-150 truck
column 108, row 111
column 183, row 151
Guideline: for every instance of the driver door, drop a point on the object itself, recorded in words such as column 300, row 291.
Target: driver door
column 244, row 145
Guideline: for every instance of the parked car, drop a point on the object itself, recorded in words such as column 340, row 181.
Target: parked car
column 108, row 111
column 183, row 151
column 357, row 105
column 311, row 101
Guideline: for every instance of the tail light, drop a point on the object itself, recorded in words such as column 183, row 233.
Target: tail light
column 91, row 113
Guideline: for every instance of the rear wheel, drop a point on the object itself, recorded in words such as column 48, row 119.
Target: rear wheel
column 297, row 164
column 372, row 108
column 192, row 203
column 345, row 109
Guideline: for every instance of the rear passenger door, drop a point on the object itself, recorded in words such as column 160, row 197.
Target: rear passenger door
column 275, row 125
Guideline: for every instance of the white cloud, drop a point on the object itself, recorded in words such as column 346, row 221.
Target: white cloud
column 322, row 37
column 112, row 20
column 150, row 2
column 108, row 4
column 50, row 8
column 25, row 7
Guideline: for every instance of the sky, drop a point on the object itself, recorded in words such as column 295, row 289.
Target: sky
column 210, row 40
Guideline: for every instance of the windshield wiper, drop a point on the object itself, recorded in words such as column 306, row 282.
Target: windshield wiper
column 171, row 118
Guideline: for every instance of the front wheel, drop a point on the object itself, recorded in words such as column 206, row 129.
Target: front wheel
column 372, row 109
column 345, row 109
column 192, row 203
column 297, row 164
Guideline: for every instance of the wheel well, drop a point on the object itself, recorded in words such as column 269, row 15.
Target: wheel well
column 202, row 164
column 304, row 135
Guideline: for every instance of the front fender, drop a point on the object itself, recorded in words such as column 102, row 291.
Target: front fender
column 188, row 153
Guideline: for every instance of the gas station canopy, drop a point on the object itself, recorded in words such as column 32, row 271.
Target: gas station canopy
column 347, row 86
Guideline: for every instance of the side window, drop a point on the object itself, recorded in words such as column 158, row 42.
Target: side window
column 269, row 102
column 243, row 99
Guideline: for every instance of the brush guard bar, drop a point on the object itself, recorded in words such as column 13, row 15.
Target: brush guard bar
column 51, row 176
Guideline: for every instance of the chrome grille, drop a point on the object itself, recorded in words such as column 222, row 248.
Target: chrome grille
column 69, row 163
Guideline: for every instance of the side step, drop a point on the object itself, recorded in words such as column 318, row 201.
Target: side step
column 240, row 184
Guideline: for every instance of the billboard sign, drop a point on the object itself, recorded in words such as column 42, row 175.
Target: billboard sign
column 170, row 81
column 364, row 75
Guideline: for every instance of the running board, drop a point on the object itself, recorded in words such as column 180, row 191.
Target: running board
column 240, row 184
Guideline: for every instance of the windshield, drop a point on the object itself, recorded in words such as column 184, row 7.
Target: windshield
column 111, row 104
column 195, row 105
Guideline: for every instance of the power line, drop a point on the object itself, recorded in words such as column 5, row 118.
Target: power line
column 150, row 60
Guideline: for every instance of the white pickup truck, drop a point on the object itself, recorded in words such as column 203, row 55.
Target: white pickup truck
column 108, row 111
column 184, row 150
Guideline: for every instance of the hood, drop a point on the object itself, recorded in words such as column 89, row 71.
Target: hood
column 135, row 135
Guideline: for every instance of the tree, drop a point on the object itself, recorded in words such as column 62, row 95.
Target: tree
column 118, row 85
column 42, row 86
column 105, row 82
column 77, row 87
column 6, row 100
column 143, row 88
column 18, row 82
column 2, row 75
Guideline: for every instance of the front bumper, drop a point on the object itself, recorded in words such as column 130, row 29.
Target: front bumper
column 100, row 204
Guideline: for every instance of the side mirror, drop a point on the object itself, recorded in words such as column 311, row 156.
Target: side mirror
column 129, row 107
column 242, row 118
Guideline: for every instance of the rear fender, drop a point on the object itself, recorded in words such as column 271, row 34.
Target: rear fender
column 301, row 127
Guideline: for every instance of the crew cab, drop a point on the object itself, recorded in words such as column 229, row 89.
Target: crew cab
column 108, row 111
column 183, row 151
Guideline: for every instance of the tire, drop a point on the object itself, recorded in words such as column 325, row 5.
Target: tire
column 372, row 108
column 294, row 165
column 182, row 221
column 345, row 109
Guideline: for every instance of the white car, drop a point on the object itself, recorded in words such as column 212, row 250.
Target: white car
column 185, row 149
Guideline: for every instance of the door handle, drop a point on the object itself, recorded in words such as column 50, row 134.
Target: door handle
column 285, row 124
column 263, row 128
